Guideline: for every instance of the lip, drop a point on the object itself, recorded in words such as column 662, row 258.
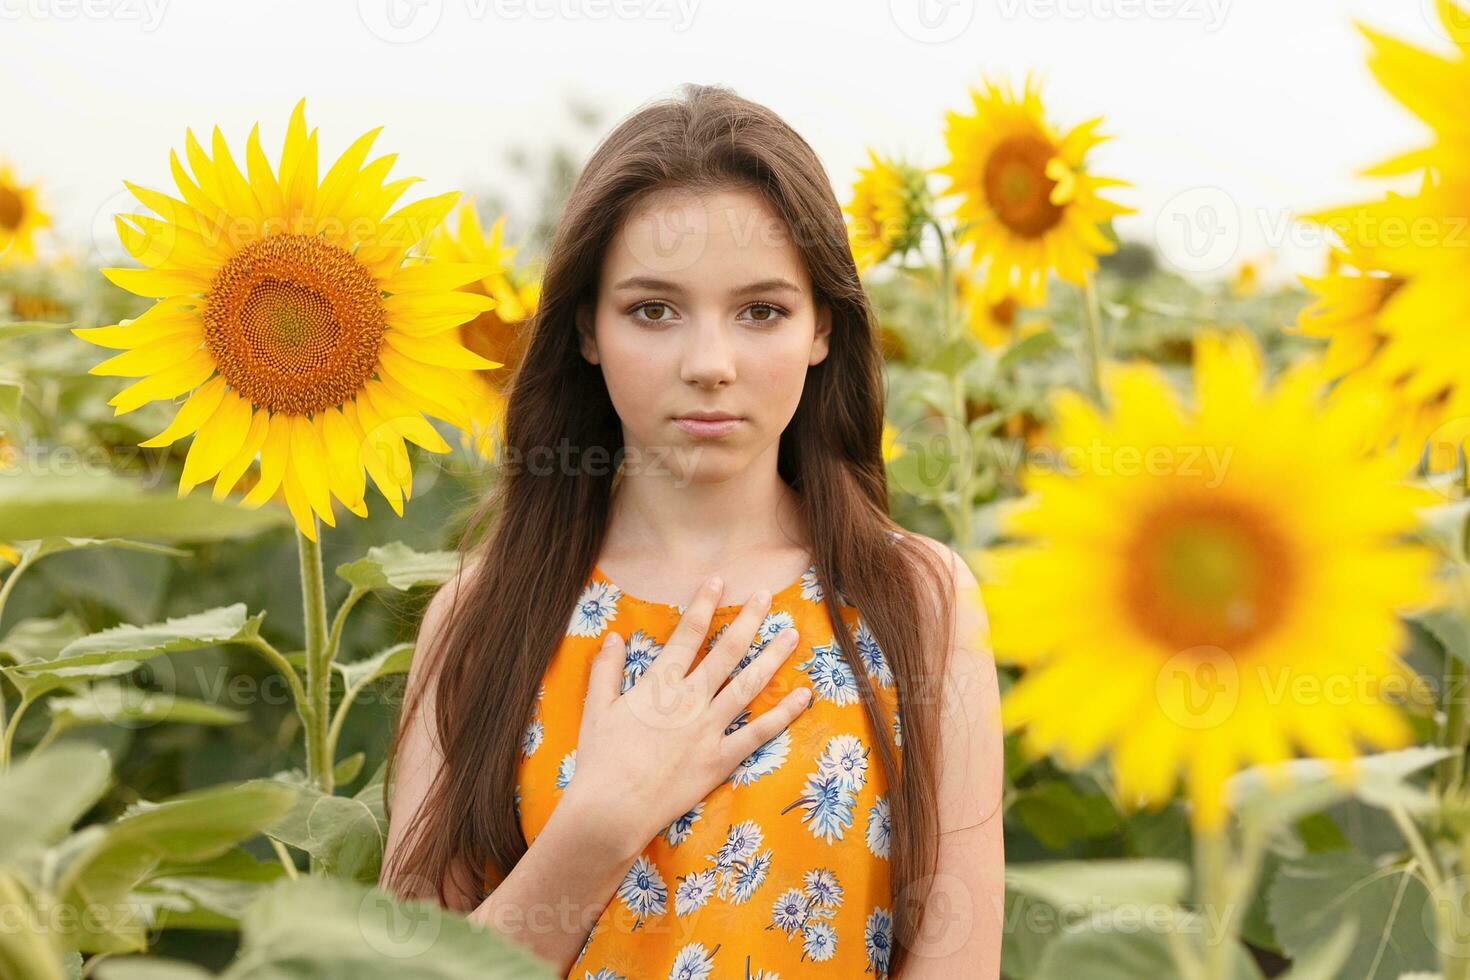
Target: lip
column 708, row 425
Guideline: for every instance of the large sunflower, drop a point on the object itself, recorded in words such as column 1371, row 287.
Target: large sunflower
column 1396, row 316
column 1027, row 204
column 21, row 217
column 890, row 203
column 286, row 310
column 499, row 333
column 1208, row 587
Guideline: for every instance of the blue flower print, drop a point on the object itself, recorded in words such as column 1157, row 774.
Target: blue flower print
column 830, row 793
column 871, row 655
column 531, row 740
column 566, row 769
column 642, row 648
column 750, row 877
column 678, row 831
column 846, row 758
column 643, row 890
column 596, row 607
column 822, row 888
column 604, row 974
column 832, row 678
column 766, row 757
column 819, row 941
column 879, row 827
column 693, row 963
column 828, row 807
column 878, row 938
column 811, row 589
column 694, row 891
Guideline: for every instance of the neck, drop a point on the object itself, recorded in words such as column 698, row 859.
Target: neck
column 706, row 523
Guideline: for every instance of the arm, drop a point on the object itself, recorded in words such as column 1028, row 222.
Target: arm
column 967, row 905
column 552, row 897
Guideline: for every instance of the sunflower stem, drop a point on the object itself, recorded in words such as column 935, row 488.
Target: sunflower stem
column 962, row 470
column 1095, row 339
column 1216, row 898
column 318, row 666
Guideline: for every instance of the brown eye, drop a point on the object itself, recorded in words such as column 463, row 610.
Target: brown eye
column 770, row 313
column 643, row 307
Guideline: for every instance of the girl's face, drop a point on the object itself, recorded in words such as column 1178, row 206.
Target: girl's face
column 704, row 305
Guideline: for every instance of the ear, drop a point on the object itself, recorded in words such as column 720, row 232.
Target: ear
column 587, row 334
column 820, row 342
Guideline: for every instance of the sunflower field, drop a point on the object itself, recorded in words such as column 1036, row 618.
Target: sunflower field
column 1222, row 530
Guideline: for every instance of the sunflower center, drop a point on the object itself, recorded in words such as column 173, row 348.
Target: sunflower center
column 1207, row 573
column 1017, row 187
column 294, row 323
column 12, row 208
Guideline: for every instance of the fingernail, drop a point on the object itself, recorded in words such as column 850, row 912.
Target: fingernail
column 716, row 583
column 804, row 695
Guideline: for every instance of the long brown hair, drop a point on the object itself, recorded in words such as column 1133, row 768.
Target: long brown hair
column 541, row 528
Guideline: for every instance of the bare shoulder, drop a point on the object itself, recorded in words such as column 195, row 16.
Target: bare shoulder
column 970, row 620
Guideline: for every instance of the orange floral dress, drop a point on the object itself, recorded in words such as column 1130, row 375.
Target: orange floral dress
column 782, row 870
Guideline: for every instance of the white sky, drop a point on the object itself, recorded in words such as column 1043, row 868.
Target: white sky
column 1255, row 108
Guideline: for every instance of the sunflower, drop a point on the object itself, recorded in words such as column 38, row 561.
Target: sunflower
column 1177, row 594
column 287, row 313
column 1430, row 85
column 892, row 448
column 20, row 217
column 995, row 323
column 1396, row 314
column 1348, row 306
column 1027, row 204
column 889, row 206
column 500, row 333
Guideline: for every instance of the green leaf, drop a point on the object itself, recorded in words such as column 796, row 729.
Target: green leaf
column 1313, row 893
column 1027, row 348
column 149, row 968
column 394, row 660
column 9, row 398
column 44, row 794
column 1056, row 814
column 1325, row 962
column 346, row 770
column 32, row 954
column 99, row 505
column 1101, row 883
column 25, row 328
column 1451, row 629
column 227, row 624
column 325, row 927
column 124, row 704
column 1310, row 786
column 36, row 550
column 346, row 834
column 1117, row 945
column 40, row 639
column 951, row 358
column 101, row 866
column 397, row 566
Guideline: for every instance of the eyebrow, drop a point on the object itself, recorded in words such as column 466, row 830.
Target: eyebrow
column 775, row 284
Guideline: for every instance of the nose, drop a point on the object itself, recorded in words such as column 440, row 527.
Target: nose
column 708, row 356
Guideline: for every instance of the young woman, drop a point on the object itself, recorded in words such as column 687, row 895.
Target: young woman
column 695, row 706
